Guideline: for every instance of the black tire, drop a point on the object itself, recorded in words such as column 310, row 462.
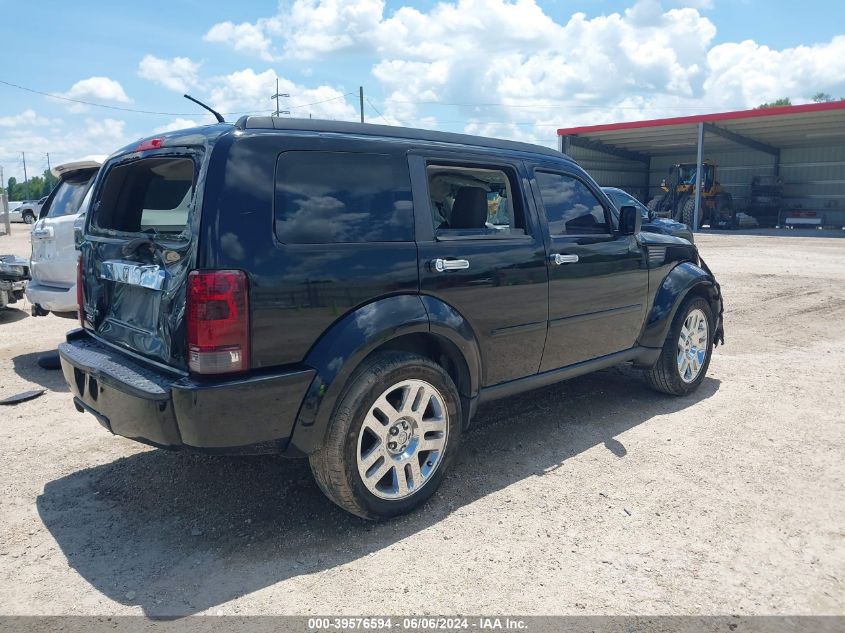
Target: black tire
column 49, row 360
column 335, row 465
column 665, row 376
column 688, row 213
column 28, row 217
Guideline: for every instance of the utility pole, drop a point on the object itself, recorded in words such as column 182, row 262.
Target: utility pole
column 49, row 173
column 4, row 203
column 276, row 96
column 25, row 179
column 361, row 99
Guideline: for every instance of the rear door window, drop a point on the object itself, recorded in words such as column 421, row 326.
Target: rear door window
column 341, row 197
column 69, row 194
column 473, row 201
column 147, row 195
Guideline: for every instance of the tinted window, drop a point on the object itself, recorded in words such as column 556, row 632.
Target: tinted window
column 327, row 197
column 472, row 199
column 148, row 194
column 71, row 190
column 570, row 205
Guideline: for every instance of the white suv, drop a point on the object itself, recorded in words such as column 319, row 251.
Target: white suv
column 54, row 254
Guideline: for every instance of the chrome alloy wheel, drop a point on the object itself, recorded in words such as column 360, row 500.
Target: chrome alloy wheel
column 402, row 439
column 692, row 345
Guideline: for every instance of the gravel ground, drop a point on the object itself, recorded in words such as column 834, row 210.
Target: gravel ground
column 595, row 496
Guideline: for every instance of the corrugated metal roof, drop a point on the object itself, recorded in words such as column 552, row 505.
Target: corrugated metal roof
column 779, row 127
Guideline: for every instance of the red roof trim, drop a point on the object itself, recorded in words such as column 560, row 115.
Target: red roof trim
column 706, row 118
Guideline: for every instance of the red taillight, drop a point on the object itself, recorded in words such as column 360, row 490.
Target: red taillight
column 80, row 292
column 218, row 321
column 150, row 143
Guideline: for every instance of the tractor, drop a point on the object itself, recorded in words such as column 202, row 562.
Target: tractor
column 678, row 200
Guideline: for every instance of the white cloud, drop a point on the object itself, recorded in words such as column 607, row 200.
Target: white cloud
column 90, row 137
column 245, row 37
column 249, row 91
column 653, row 59
column 757, row 73
column 178, row 74
column 97, row 89
column 27, row 117
column 180, row 123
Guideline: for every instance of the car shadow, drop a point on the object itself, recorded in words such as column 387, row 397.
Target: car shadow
column 26, row 366
column 10, row 315
column 179, row 533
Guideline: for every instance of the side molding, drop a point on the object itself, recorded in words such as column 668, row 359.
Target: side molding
column 673, row 290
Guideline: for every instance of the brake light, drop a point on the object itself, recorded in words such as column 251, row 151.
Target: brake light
column 218, row 321
column 80, row 292
column 150, row 143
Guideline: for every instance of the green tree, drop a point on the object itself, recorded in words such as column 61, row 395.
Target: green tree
column 49, row 182
column 777, row 103
column 822, row 97
column 16, row 190
column 36, row 187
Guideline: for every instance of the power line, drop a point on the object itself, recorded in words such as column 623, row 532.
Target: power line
column 379, row 113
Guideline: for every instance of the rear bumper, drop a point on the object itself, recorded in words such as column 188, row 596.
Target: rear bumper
column 252, row 414
column 52, row 298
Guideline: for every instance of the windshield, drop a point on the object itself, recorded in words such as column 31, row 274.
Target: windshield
column 622, row 199
column 69, row 194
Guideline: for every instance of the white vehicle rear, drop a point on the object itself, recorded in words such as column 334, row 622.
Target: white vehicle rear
column 54, row 254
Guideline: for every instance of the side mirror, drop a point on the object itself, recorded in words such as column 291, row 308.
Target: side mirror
column 630, row 220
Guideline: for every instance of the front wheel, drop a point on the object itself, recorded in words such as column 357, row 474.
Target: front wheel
column 28, row 217
column 686, row 353
column 688, row 213
column 394, row 432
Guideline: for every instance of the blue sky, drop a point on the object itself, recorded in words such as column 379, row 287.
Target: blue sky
column 533, row 65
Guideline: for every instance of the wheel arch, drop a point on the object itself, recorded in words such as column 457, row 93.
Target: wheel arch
column 683, row 280
column 419, row 324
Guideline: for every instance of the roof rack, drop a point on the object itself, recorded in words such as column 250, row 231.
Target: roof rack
column 387, row 131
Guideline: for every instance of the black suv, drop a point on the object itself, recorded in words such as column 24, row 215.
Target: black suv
column 352, row 292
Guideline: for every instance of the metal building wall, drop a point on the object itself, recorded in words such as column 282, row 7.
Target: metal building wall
column 610, row 171
column 735, row 169
column 814, row 178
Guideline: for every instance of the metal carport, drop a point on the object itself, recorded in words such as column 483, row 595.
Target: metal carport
column 803, row 145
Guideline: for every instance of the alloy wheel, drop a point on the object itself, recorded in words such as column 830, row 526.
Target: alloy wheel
column 692, row 345
column 402, row 440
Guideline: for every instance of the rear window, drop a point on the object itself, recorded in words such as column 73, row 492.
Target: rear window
column 69, row 194
column 151, row 194
column 335, row 197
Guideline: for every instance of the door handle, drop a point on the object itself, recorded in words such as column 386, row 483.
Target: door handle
column 557, row 259
column 442, row 265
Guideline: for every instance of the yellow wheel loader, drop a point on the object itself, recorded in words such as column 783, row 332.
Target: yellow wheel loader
column 678, row 198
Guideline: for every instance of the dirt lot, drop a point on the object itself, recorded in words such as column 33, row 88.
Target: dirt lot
column 595, row 496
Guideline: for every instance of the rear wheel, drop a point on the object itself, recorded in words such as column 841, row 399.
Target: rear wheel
column 394, row 432
column 687, row 350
